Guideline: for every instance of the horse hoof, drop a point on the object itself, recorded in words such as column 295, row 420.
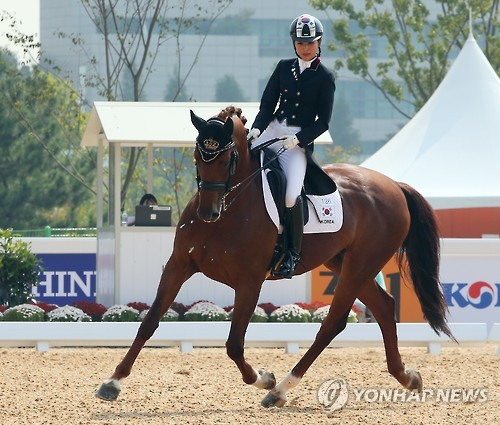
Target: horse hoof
column 415, row 380
column 273, row 399
column 267, row 379
column 109, row 390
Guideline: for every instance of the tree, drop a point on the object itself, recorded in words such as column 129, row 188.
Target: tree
column 228, row 90
column 419, row 46
column 176, row 93
column 44, row 178
column 133, row 32
column 19, row 270
column 341, row 125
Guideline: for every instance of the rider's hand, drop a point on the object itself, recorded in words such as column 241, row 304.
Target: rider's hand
column 253, row 134
column 289, row 142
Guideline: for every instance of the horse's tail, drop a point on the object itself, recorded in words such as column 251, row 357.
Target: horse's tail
column 422, row 249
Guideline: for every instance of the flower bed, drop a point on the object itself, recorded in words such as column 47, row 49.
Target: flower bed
column 204, row 311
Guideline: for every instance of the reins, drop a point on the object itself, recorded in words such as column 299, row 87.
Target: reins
column 248, row 179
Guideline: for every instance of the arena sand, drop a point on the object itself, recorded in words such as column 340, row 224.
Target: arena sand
column 204, row 387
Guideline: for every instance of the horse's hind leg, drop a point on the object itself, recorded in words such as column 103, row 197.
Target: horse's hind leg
column 382, row 306
column 332, row 325
column 244, row 306
column 171, row 281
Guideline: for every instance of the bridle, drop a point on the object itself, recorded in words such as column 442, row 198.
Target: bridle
column 209, row 155
column 209, row 151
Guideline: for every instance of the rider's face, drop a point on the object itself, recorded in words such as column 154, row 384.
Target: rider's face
column 307, row 51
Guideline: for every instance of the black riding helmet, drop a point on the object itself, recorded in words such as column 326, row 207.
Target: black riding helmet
column 307, row 29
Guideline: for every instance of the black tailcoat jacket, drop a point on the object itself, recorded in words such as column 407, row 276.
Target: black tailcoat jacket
column 305, row 100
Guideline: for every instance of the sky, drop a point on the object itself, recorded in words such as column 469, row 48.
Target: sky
column 27, row 13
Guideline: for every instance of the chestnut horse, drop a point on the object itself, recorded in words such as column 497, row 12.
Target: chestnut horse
column 226, row 233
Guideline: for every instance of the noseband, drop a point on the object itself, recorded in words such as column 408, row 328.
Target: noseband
column 210, row 150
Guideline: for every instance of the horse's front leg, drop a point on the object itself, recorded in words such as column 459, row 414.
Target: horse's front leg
column 173, row 276
column 244, row 306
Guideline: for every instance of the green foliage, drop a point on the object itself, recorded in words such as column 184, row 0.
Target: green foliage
column 176, row 92
column 45, row 176
column 24, row 313
column 177, row 168
column 290, row 313
column 205, row 311
column 19, row 269
column 120, row 313
column 228, row 90
column 68, row 314
column 418, row 46
column 342, row 126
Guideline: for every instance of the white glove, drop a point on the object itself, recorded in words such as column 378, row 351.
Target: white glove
column 290, row 142
column 253, row 134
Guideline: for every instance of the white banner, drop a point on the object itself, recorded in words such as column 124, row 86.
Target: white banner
column 470, row 275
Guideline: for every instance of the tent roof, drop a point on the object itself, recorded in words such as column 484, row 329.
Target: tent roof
column 166, row 124
column 450, row 150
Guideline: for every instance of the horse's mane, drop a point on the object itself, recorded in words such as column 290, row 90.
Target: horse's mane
column 231, row 110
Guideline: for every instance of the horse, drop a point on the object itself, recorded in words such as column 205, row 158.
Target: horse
column 225, row 233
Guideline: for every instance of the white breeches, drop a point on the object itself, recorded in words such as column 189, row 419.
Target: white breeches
column 293, row 162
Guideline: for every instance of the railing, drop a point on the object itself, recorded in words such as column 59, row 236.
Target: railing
column 47, row 232
column 186, row 335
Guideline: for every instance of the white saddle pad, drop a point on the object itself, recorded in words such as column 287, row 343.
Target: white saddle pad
column 325, row 212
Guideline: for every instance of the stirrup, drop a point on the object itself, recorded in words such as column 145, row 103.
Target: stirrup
column 288, row 265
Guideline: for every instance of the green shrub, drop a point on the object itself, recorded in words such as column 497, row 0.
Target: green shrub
column 24, row 313
column 19, row 269
column 169, row 316
column 68, row 314
column 320, row 314
column 120, row 313
column 206, row 311
column 259, row 315
column 290, row 313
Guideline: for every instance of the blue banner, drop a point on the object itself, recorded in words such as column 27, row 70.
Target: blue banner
column 66, row 278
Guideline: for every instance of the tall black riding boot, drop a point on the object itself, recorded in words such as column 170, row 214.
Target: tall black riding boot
column 294, row 228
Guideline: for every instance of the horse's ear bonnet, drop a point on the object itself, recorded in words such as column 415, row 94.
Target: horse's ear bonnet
column 214, row 136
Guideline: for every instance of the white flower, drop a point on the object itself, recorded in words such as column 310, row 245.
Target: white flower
column 25, row 310
column 258, row 313
column 1, row 314
column 116, row 312
column 290, row 313
column 353, row 317
column 171, row 315
column 206, row 310
column 320, row 314
column 68, row 313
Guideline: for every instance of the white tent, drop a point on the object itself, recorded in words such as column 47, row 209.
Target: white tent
column 450, row 150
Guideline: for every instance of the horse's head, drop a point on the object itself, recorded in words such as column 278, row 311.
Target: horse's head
column 216, row 158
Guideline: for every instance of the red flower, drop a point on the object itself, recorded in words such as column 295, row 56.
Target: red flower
column 45, row 306
column 179, row 308
column 139, row 306
column 94, row 310
column 268, row 307
column 312, row 307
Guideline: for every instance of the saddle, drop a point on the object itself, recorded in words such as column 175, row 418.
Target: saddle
column 316, row 183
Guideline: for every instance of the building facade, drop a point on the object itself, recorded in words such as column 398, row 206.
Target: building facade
column 242, row 48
